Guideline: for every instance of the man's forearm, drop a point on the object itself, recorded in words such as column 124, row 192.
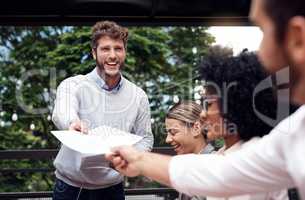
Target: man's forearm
column 66, row 105
column 63, row 121
column 154, row 166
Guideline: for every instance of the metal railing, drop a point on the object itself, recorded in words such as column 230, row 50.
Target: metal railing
column 168, row 193
column 49, row 154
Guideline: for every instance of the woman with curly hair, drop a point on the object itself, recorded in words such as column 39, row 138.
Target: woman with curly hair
column 230, row 106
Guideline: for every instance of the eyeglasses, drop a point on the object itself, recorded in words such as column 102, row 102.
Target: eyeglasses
column 207, row 101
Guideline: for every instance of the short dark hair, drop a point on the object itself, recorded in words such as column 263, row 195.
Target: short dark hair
column 246, row 72
column 110, row 29
column 281, row 11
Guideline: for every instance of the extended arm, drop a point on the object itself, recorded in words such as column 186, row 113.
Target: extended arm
column 66, row 104
column 257, row 168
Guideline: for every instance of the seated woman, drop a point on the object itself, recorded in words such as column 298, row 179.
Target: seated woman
column 231, row 106
column 185, row 132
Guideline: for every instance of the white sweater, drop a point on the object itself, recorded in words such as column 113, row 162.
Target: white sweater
column 83, row 97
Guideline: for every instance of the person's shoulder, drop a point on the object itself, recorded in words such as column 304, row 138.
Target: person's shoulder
column 299, row 115
column 252, row 141
column 140, row 92
column 74, row 80
column 293, row 123
column 287, row 133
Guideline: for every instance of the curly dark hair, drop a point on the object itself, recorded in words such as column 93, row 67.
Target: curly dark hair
column 108, row 28
column 246, row 73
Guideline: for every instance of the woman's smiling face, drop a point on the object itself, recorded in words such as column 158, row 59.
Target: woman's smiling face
column 179, row 136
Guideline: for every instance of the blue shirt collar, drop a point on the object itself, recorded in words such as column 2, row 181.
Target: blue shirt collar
column 102, row 84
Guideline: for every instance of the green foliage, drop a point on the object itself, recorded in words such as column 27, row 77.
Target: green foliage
column 25, row 181
column 34, row 60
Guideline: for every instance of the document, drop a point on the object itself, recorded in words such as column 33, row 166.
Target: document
column 98, row 141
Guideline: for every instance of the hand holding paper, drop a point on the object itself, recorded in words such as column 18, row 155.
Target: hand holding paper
column 79, row 125
column 98, row 141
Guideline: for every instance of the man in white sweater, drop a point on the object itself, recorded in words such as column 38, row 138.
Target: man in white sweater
column 276, row 161
column 101, row 97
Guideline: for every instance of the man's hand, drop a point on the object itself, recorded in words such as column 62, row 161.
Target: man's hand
column 79, row 125
column 130, row 162
column 126, row 160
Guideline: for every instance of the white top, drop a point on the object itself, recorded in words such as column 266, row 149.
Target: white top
column 278, row 195
column 273, row 163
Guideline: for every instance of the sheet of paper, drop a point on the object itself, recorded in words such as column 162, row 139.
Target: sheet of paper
column 98, row 141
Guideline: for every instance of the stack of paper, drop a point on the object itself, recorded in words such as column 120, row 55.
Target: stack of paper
column 98, row 141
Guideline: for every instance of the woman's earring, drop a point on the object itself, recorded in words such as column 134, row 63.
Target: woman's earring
column 205, row 131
